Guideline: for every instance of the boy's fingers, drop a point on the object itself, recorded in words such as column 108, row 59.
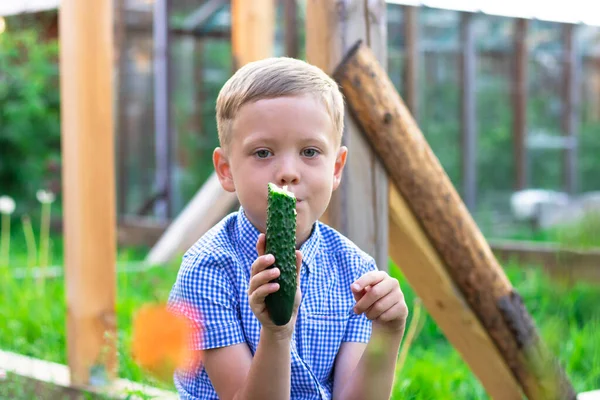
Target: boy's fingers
column 259, row 295
column 262, row 278
column 380, row 307
column 260, row 244
column 262, row 263
column 373, row 295
column 371, row 278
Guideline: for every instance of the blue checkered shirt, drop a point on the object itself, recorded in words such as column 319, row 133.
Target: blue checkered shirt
column 214, row 277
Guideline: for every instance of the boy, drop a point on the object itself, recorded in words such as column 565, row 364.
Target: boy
column 280, row 120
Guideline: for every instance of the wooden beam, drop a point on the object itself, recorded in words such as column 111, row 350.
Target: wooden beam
column 411, row 58
column 292, row 41
column 423, row 183
column 252, row 30
column 86, row 65
column 519, row 95
column 163, row 143
column 205, row 209
column 411, row 250
column 49, row 380
column 468, row 73
column 358, row 209
column 570, row 111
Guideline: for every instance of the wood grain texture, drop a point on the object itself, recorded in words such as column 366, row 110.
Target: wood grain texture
column 86, row 70
column 359, row 207
column 421, row 265
column 419, row 177
column 252, row 30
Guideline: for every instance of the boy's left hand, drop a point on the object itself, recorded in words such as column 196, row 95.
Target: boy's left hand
column 379, row 296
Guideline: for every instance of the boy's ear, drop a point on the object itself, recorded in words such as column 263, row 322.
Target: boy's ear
column 340, row 162
column 223, row 169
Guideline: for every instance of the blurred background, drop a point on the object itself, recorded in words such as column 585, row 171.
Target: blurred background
column 531, row 86
column 508, row 98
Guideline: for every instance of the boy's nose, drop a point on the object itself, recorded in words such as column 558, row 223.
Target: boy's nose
column 287, row 174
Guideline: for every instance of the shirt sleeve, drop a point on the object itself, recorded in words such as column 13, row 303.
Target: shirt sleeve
column 207, row 296
column 359, row 326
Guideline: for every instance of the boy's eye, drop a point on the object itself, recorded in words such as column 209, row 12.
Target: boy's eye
column 262, row 153
column 310, row 153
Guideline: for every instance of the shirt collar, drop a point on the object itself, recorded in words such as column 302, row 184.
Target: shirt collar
column 247, row 235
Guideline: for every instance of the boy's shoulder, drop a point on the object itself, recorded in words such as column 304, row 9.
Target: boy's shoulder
column 335, row 243
column 216, row 242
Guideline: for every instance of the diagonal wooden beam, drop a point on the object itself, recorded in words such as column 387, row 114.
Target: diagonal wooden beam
column 418, row 175
column 417, row 258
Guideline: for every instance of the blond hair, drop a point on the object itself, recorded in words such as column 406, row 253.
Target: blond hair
column 276, row 77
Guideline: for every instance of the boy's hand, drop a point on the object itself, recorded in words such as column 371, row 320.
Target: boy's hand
column 379, row 296
column 260, row 287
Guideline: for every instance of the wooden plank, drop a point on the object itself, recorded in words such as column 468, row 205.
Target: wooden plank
column 252, row 30
column 468, row 73
column 205, row 209
column 566, row 264
column 86, row 58
column 53, row 381
column 358, row 209
column 519, row 96
column 570, row 111
column 417, row 258
column 411, row 57
column 163, row 137
column 421, row 180
column 140, row 231
column 292, row 42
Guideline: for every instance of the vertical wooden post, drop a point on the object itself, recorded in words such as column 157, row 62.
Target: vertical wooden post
column 359, row 208
column 162, row 109
column 519, row 93
column 86, row 65
column 411, row 56
column 252, row 30
column 570, row 112
column 291, row 28
column 468, row 112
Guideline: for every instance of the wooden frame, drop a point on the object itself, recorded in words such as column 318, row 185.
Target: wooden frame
column 359, row 207
column 86, row 65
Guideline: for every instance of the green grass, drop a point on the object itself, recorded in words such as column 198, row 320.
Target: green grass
column 33, row 324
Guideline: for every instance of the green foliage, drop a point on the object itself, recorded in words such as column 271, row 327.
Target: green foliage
column 29, row 114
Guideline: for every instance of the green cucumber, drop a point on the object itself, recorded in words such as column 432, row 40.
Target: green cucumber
column 281, row 242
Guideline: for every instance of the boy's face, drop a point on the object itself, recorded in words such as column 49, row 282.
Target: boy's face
column 288, row 141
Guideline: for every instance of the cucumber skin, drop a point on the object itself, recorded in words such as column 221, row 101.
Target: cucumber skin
column 281, row 243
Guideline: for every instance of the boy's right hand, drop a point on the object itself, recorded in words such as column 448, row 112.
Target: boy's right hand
column 260, row 287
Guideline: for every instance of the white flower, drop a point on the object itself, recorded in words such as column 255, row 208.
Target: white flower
column 7, row 205
column 45, row 197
